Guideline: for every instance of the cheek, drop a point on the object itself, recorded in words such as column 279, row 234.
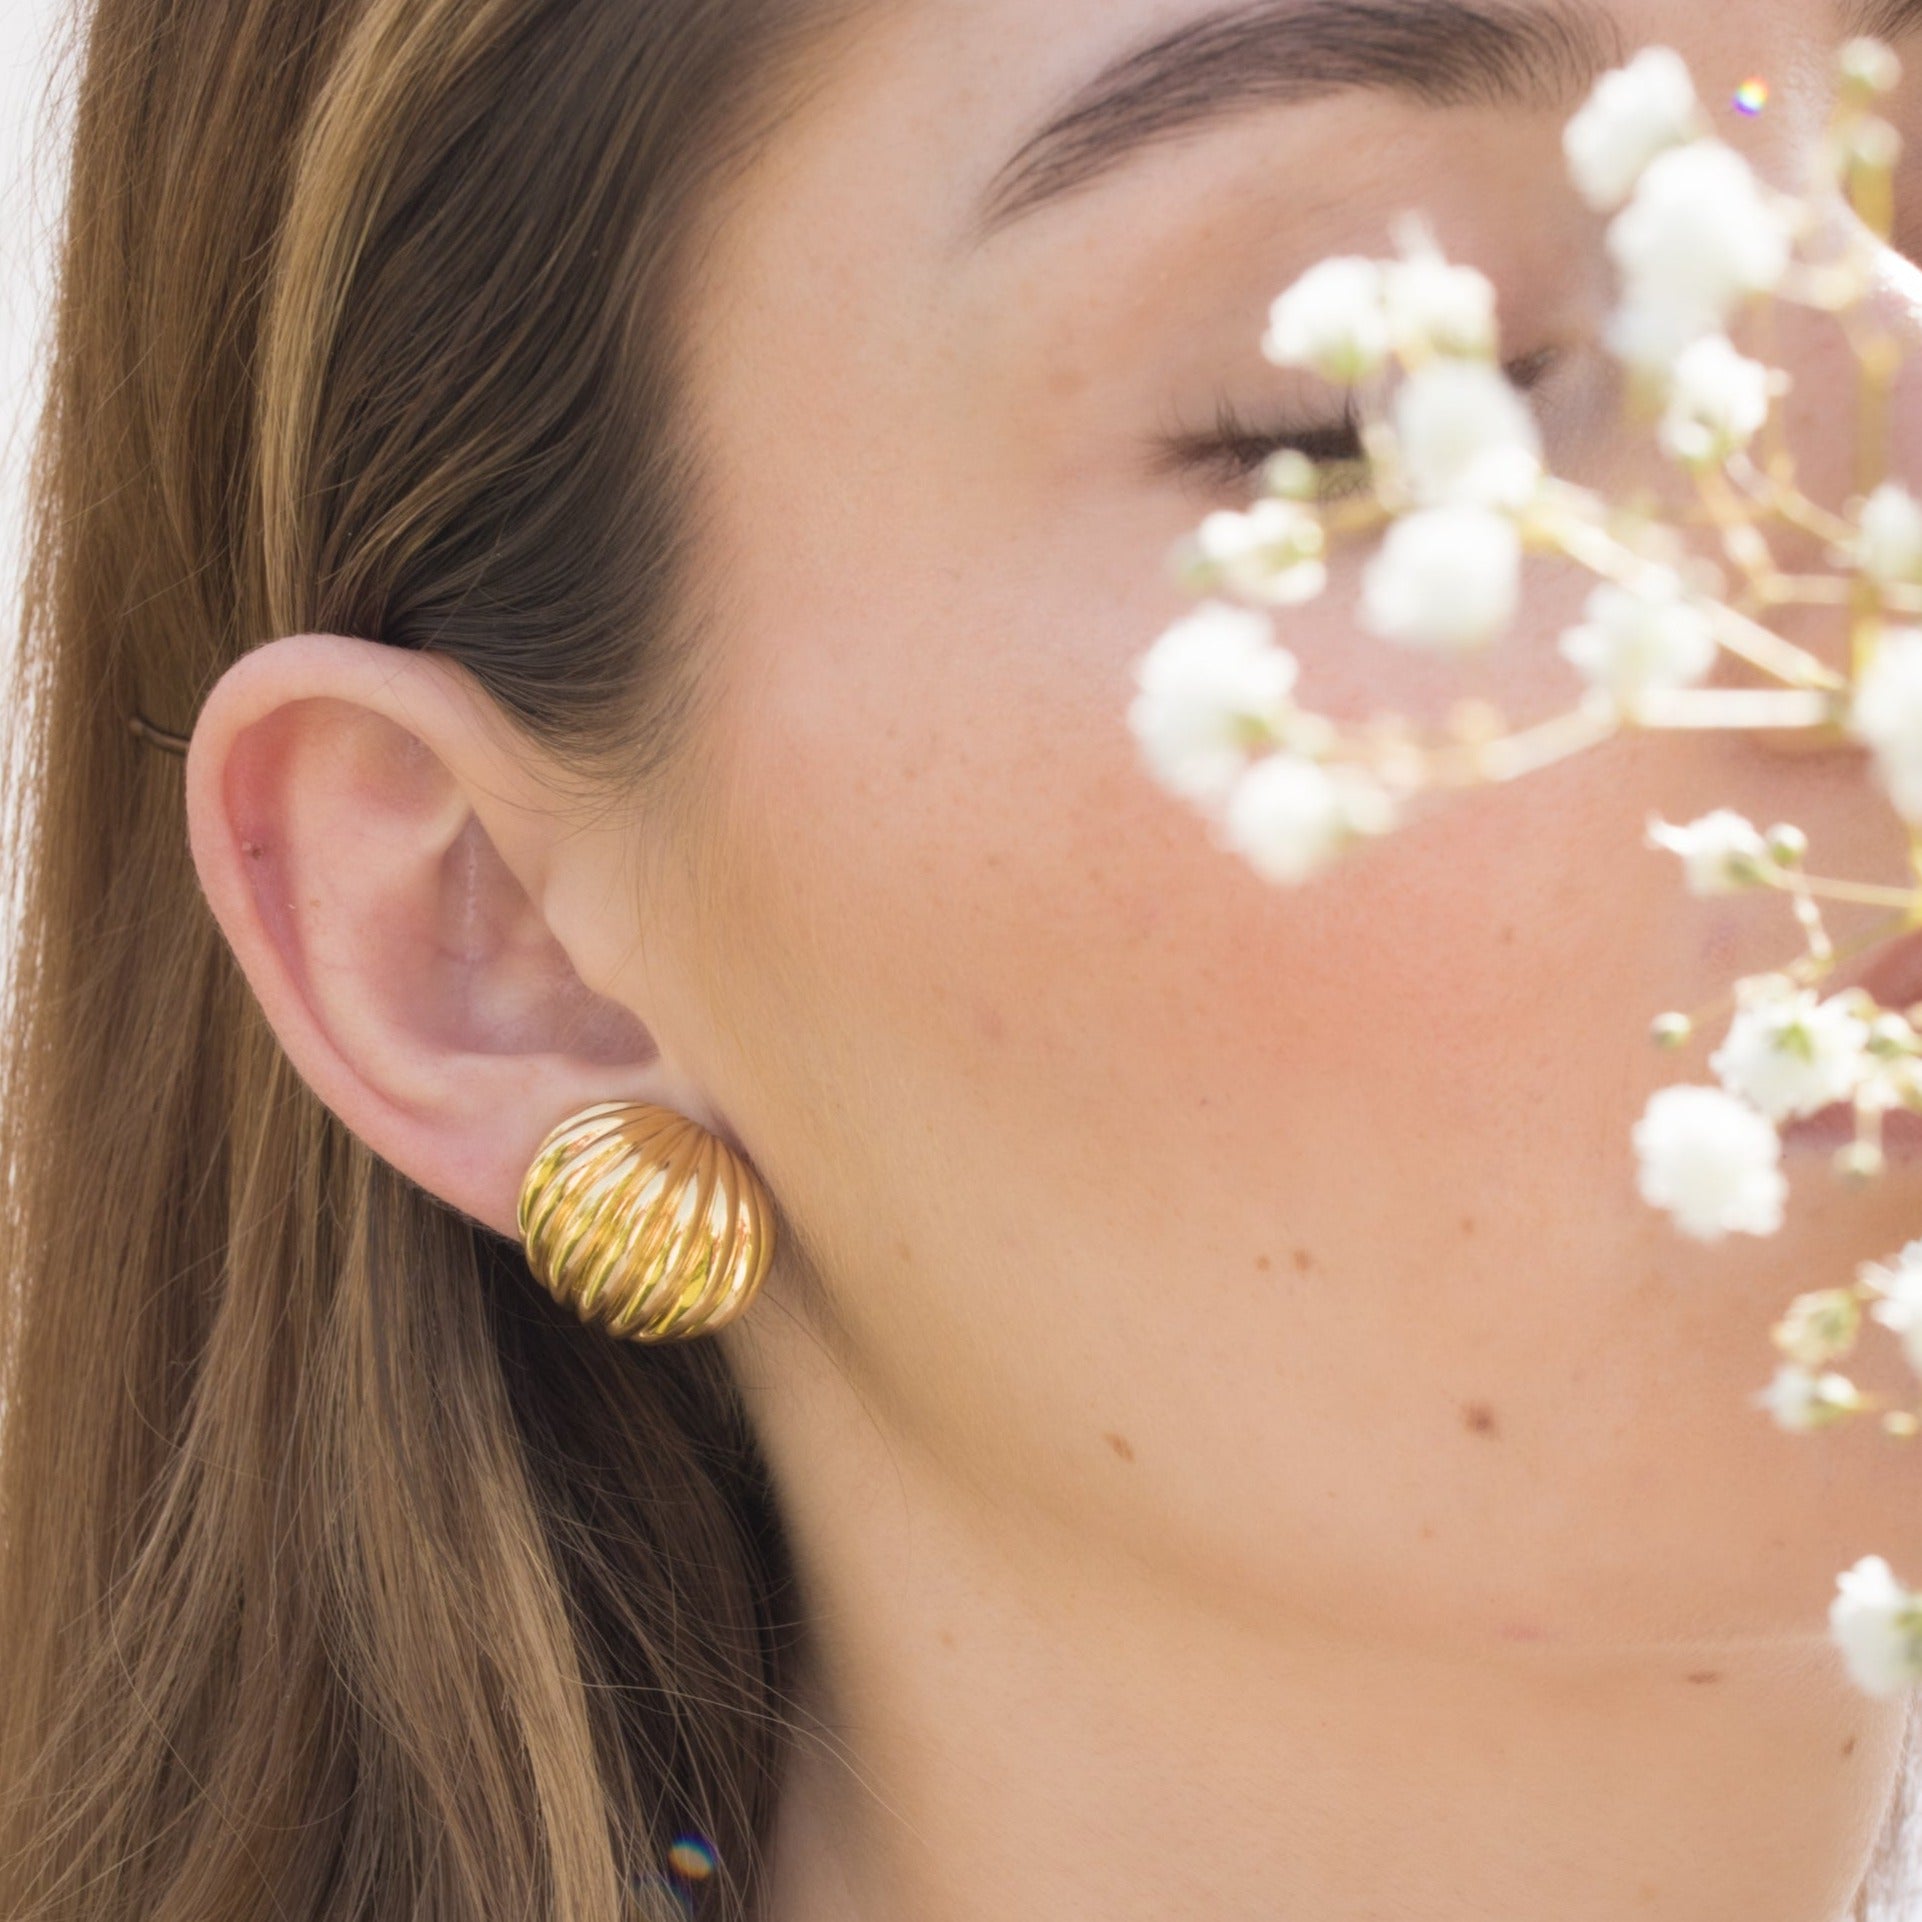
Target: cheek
column 1136, row 1143
column 1007, row 900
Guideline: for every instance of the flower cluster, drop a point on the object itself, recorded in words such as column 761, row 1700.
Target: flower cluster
column 1457, row 496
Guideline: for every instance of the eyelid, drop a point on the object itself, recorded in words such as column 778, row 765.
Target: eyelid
column 1183, row 452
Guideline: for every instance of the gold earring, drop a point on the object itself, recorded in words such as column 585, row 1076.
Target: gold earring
column 645, row 1223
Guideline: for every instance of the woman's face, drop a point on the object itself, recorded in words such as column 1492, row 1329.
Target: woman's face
column 1286, row 1242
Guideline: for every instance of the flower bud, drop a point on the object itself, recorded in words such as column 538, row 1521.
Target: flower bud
column 1860, row 1161
column 1291, row 476
column 1819, row 1328
column 1875, row 144
column 1788, row 846
column 1671, row 1030
column 1867, row 67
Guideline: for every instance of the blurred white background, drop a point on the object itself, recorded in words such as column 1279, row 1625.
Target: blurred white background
column 31, row 178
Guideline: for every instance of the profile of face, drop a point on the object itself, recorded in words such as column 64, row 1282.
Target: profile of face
column 1215, row 1327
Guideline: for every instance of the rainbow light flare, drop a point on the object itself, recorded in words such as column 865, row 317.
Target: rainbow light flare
column 1752, row 96
column 692, row 1857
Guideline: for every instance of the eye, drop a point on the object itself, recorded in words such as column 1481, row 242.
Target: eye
column 1234, row 450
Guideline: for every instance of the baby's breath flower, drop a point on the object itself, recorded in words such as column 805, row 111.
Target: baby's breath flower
column 1465, row 435
column 1898, row 1307
column 1789, row 1054
column 1869, row 67
column 1333, row 320
column 1712, row 1162
column 1698, row 238
column 1206, row 692
column 1271, row 554
column 1434, row 305
column 1722, row 852
column 1641, row 640
column 1289, row 817
column 1788, row 846
column 1447, row 578
column 1718, row 401
column 1801, row 1401
column 1889, row 546
column 1877, row 1624
column 1631, row 116
column 1886, row 713
column 1819, row 1327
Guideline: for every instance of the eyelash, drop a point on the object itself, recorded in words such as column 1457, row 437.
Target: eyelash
column 1236, row 449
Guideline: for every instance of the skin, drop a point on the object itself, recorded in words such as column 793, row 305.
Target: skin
column 1249, row 1450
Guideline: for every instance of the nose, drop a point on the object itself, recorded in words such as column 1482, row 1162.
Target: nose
column 1852, row 418
column 1853, row 414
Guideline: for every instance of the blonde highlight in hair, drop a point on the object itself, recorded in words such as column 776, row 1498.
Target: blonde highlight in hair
column 342, row 1572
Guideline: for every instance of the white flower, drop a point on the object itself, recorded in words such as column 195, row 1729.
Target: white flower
column 1712, row 1162
column 1801, row 1401
column 1466, row 436
column 1899, row 1305
column 1270, row 554
column 1434, row 305
column 1877, row 1625
column 1632, row 114
column 1819, row 1327
column 1333, row 320
column 1288, row 816
column 1721, row 852
column 1697, row 239
column 1718, row 401
column 1210, row 683
column 1887, row 714
column 1447, row 578
column 1789, row 1054
column 1889, row 548
column 1640, row 640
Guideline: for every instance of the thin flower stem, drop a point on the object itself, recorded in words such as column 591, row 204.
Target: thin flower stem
column 1879, row 358
column 1596, row 549
column 1805, row 970
column 1742, row 541
column 1531, row 749
column 1735, row 707
column 1861, row 893
column 1808, row 914
column 1778, row 494
column 1809, row 590
column 1808, row 970
column 1762, row 647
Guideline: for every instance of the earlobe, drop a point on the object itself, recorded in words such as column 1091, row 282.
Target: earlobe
column 378, row 856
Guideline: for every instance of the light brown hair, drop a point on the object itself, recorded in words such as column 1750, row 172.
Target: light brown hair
column 341, row 1574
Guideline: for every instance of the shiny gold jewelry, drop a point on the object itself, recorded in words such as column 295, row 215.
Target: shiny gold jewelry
column 156, row 736
column 645, row 1223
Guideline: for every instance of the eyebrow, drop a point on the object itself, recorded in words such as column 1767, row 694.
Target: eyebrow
column 1884, row 19
column 1269, row 53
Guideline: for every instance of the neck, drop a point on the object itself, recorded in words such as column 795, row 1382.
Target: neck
column 1016, row 1721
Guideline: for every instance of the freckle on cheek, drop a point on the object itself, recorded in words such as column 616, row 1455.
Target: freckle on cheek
column 1304, row 1261
column 1479, row 1419
column 1120, row 1444
column 1704, row 1675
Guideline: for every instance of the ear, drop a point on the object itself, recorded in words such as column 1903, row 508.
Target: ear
column 430, row 927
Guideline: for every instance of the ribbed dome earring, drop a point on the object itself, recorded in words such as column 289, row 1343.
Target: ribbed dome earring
column 645, row 1223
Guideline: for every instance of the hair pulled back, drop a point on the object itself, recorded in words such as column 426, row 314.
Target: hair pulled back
column 341, row 1574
